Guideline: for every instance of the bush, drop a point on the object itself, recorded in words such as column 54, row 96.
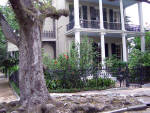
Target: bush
column 138, row 58
column 70, row 71
column 115, row 65
column 100, row 82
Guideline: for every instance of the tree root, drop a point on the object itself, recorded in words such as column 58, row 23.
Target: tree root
column 50, row 106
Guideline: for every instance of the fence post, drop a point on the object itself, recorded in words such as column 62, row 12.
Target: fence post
column 127, row 76
column 141, row 75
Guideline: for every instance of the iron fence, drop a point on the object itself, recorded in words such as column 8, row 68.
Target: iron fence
column 93, row 77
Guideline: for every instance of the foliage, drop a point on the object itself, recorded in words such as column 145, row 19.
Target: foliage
column 113, row 63
column 57, row 84
column 3, row 47
column 70, row 71
column 137, row 42
column 138, row 58
column 10, row 17
column 15, row 87
column 72, row 60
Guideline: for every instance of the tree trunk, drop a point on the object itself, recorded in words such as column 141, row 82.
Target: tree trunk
column 32, row 85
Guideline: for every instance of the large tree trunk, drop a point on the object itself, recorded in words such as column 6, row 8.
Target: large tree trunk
column 32, row 85
column 33, row 90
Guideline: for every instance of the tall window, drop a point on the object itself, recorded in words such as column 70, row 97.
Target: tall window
column 111, row 15
column 116, row 50
column 84, row 8
column 116, row 16
column 71, row 13
column 105, row 18
column 105, row 14
column 106, row 50
column 93, row 13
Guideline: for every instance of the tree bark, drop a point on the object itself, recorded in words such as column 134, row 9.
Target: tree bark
column 33, row 90
column 32, row 85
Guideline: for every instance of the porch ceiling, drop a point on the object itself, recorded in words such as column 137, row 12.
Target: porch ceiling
column 113, row 3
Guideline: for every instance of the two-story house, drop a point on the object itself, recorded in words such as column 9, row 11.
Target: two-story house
column 103, row 21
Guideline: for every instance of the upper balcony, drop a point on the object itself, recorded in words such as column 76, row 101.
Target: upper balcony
column 94, row 24
column 48, row 35
column 87, row 13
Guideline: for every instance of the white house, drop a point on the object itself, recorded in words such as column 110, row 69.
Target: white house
column 103, row 21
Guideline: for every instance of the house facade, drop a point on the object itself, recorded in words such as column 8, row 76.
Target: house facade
column 103, row 21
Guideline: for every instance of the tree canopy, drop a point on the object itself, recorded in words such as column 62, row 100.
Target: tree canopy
column 10, row 17
column 137, row 42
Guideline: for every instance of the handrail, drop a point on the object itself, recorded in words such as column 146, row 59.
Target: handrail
column 95, row 24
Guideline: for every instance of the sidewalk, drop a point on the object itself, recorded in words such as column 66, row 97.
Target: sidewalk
column 6, row 93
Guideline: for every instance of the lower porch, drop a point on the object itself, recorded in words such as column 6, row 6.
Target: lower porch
column 112, row 44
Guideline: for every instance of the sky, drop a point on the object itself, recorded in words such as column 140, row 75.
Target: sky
column 131, row 11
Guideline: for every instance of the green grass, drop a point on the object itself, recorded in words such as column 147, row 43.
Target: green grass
column 74, row 90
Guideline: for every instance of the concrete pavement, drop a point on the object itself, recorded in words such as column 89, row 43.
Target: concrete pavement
column 6, row 93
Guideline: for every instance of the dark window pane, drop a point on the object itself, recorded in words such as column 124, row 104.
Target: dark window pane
column 105, row 14
column 71, row 13
column 84, row 12
column 113, row 49
column 106, row 50
column 111, row 15
column 93, row 13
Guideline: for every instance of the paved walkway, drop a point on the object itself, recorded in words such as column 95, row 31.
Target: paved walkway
column 143, row 94
column 6, row 93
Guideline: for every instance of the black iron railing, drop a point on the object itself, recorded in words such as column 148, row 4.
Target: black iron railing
column 49, row 34
column 90, row 24
column 95, row 24
column 112, row 25
column 131, row 27
column 79, row 78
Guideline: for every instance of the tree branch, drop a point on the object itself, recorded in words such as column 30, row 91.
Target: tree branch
column 53, row 13
column 8, row 31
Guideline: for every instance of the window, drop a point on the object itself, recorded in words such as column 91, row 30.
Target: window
column 93, row 13
column 111, row 18
column 105, row 14
column 116, row 50
column 106, row 50
column 71, row 13
column 84, row 8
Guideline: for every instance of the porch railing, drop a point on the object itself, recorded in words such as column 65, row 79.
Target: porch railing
column 132, row 27
column 48, row 34
column 112, row 25
column 107, row 25
column 90, row 24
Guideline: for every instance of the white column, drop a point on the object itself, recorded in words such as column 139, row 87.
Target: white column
column 122, row 15
column 101, row 14
column 76, row 14
column 77, row 41
column 103, row 49
column 77, row 25
column 141, row 26
column 124, row 43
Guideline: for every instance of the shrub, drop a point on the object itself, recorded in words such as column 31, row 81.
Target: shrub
column 70, row 71
column 115, row 65
column 138, row 58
